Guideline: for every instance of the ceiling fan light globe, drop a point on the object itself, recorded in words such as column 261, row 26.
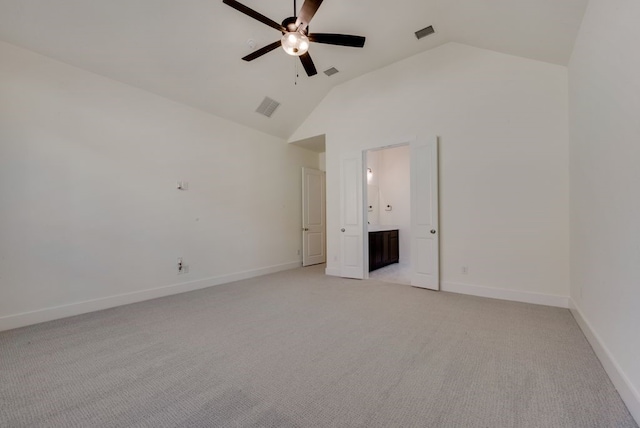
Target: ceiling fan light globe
column 295, row 43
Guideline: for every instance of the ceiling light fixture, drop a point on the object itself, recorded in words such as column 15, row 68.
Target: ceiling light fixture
column 295, row 43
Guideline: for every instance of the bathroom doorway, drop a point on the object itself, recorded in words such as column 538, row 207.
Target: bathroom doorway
column 388, row 204
column 423, row 233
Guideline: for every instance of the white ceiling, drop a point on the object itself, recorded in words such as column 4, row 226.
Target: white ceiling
column 190, row 50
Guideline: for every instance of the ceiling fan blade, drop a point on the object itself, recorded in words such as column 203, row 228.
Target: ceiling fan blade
column 309, row 8
column 255, row 15
column 337, row 39
column 262, row 51
column 307, row 63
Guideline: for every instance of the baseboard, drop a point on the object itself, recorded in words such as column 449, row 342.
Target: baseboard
column 48, row 314
column 626, row 389
column 502, row 294
column 332, row 271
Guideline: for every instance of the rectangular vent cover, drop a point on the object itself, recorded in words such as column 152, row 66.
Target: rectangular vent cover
column 425, row 32
column 331, row 71
column 267, row 107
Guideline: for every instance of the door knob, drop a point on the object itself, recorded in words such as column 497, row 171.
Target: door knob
column 433, row 231
column 342, row 230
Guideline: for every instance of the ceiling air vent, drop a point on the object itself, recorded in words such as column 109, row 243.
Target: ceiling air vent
column 331, row 71
column 425, row 32
column 267, row 107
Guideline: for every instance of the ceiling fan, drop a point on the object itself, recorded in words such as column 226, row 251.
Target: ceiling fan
column 295, row 33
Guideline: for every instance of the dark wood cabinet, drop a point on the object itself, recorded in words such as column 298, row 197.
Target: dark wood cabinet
column 383, row 249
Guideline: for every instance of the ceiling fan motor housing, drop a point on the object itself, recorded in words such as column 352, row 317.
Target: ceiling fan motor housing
column 290, row 25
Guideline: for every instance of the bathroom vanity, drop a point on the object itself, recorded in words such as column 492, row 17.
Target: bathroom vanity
column 383, row 246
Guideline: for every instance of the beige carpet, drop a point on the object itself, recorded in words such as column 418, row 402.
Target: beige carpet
column 299, row 349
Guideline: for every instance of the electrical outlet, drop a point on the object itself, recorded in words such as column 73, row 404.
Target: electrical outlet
column 464, row 270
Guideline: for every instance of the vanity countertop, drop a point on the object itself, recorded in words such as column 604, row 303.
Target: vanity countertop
column 381, row 227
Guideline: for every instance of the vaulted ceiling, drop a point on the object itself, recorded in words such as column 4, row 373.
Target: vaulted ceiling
column 190, row 50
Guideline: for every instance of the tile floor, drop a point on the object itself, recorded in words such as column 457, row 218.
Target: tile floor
column 399, row 273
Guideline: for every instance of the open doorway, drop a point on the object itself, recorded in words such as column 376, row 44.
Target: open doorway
column 388, row 196
column 314, row 226
column 354, row 230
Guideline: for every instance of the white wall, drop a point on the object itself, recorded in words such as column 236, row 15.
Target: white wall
column 604, row 75
column 373, row 187
column 322, row 164
column 394, row 181
column 90, row 210
column 503, row 128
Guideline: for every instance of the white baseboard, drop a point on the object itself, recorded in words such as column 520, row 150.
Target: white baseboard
column 332, row 271
column 48, row 314
column 626, row 389
column 502, row 294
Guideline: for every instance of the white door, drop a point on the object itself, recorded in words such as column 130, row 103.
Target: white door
column 313, row 217
column 425, row 265
column 351, row 216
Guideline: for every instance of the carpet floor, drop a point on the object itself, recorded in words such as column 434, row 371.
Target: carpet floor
column 300, row 349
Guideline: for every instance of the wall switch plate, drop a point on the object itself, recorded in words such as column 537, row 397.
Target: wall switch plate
column 182, row 185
